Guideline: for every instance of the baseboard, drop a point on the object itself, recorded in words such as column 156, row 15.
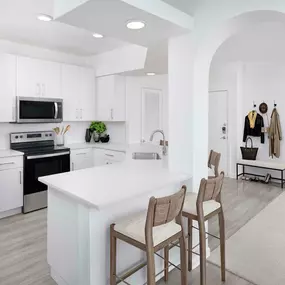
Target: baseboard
column 55, row 276
column 10, row 213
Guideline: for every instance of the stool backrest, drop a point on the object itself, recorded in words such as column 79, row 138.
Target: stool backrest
column 164, row 210
column 214, row 161
column 210, row 189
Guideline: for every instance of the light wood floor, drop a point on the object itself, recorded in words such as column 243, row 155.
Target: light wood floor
column 23, row 238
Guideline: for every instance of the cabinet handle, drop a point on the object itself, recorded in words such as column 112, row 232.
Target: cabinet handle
column 7, row 163
column 43, row 90
column 72, row 167
column 80, row 113
column 111, row 155
column 20, row 177
column 38, row 89
column 81, row 153
column 112, row 117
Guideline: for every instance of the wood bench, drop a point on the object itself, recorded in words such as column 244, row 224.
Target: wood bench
column 270, row 165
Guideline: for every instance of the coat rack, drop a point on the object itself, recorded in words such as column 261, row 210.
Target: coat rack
column 275, row 105
column 254, row 105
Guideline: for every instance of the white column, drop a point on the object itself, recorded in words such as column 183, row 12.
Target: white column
column 188, row 109
column 180, row 81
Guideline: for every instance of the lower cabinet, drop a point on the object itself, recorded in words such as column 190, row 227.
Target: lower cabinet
column 103, row 157
column 81, row 159
column 86, row 158
column 11, row 184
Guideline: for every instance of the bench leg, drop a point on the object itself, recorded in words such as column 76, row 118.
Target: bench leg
column 282, row 179
column 237, row 165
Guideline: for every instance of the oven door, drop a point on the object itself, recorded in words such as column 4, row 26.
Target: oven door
column 35, row 192
column 39, row 110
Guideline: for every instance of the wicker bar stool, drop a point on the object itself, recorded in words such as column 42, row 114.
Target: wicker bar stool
column 201, row 207
column 151, row 232
column 213, row 162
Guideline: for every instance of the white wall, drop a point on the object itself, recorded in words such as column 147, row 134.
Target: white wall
column 134, row 85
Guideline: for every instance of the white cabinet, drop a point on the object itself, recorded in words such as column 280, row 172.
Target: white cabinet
column 111, row 98
column 103, row 157
column 78, row 91
column 7, row 87
column 11, row 183
column 81, row 159
column 38, row 78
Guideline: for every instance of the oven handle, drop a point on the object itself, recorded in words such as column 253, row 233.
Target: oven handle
column 48, row 155
column 55, row 110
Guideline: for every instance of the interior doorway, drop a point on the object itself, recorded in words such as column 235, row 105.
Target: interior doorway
column 218, row 126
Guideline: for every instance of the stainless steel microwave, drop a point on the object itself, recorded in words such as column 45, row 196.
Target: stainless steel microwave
column 39, row 110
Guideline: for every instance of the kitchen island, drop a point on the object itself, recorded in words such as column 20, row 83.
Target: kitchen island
column 82, row 205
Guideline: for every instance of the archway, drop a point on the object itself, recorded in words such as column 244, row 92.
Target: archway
column 206, row 47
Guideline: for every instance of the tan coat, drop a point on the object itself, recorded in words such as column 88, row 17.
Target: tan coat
column 274, row 134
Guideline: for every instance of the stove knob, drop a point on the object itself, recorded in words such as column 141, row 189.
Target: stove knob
column 21, row 137
column 46, row 135
column 16, row 137
column 50, row 135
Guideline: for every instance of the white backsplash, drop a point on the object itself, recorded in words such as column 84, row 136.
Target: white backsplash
column 76, row 134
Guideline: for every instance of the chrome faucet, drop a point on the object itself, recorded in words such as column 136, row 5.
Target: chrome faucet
column 164, row 148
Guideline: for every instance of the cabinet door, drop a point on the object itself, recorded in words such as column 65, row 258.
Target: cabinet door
column 81, row 159
column 29, row 77
column 50, row 79
column 118, row 100
column 7, row 88
column 87, row 94
column 99, row 157
column 105, row 91
column 70, row 92
column 11, row 189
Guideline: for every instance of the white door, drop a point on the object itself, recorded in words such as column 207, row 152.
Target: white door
column 7, row 88
column 87, row 94
column 70, row 92
column 11, row 189
column 151, row 112
column 218, row 126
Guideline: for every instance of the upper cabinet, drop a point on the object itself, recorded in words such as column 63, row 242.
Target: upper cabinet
column 111, row 98
column 7, row 87
column 38, row 78
column 78, row 91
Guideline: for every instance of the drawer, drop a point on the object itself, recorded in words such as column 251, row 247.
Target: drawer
column 114, row 155
column 11, row 162
column 81, row 152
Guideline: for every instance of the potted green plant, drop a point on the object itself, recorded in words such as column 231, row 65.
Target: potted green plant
column 97, row 128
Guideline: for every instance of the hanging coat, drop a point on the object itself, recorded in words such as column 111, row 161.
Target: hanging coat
column 254, row 130
column 274, row 134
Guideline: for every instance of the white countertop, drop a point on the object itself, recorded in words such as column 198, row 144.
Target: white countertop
column 9, row 153
column 109, row 146
column 105, row 185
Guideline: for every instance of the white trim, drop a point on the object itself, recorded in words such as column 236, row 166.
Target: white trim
column 10, row 213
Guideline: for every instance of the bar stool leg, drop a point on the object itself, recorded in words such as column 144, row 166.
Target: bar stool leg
column 222, row 244
column 190, row 243
column 166, row 264
column 202, row 240
column 183, row 260
column 113, row 256
column 150, row 265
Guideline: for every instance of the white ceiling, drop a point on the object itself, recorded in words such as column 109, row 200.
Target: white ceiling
column 18, row 23
column 110, row 18
column 262, row 43
column 187, row 6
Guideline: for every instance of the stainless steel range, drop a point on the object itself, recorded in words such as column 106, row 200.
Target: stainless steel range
column 41, row 158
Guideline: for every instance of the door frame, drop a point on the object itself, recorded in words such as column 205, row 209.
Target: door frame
column 227, row 174
column 143, row 92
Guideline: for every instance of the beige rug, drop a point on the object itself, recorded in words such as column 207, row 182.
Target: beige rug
column 257, row 251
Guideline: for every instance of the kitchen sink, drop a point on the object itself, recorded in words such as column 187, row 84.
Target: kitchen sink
column 146, row 156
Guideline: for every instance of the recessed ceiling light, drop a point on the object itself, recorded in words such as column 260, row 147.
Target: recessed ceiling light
column 150, row 74
column 135, row 25
column 45, row 18
column 97, row 36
